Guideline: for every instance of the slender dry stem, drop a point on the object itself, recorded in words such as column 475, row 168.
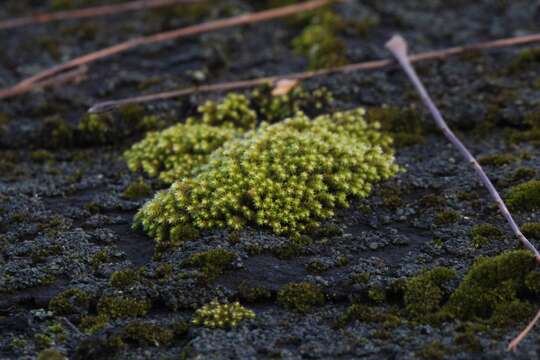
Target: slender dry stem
column 369, row 65
column 398, row 47
column 104, row 10
column 514, row 343
column 250, row 18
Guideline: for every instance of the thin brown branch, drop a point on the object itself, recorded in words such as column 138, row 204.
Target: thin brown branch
column 250, row 18
column 514, row 343
column 105, row 10
column 369, row 65
column 398, row 47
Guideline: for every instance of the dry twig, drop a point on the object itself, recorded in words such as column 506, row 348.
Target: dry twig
column 104, row 10
column 250, row 18
column 398, row 47
column 369, row 65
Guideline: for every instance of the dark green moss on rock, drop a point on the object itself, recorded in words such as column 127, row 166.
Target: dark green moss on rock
column 212, row 263
column 525, row 196
column 484, row 234
column 71, row 301
column 301, row 297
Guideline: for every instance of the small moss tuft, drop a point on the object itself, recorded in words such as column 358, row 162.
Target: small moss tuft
column 301, row 297
column 121, row 307
column 493, row 285
column 404, row 125
column 531, row 229
column 216, row 315
column 144, row 334
column 434, row 350
column 525, row 196
column 212, row 263
column 446, row 217
column 51, row 354
column 71, row 301
column 137, row 189
column 483, row 234
column 496, row 159
column 425, row 292
column 125, row 278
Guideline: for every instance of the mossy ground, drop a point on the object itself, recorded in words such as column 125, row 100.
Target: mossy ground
column 76, row 281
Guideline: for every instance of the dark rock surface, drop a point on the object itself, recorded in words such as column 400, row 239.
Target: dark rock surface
column 65, row 224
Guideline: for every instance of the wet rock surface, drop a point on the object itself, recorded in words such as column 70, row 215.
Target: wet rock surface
column 65, row 221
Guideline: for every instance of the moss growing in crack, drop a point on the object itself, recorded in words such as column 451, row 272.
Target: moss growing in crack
column 525, row 196
column 493, row 285
column 424, row 293
column 301, row 297
column 121, row 307
column 71, row 301
column 446, row 217
column 483, row 234
column 137, row 189
column 176, row 152
column 404, row 125
column 496, row 159
column 531, row 229
column 212, row 263
column 287, row 177
column 320, row 41
column 216, row 315
column 253, row 294
column 125, row 278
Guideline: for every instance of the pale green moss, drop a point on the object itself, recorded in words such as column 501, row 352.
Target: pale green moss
column 525, row 196
column 216, row 315
column 285, row 176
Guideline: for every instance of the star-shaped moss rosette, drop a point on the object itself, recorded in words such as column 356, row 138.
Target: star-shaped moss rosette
column 286, row 176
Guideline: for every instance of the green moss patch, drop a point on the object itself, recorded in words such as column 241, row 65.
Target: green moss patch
column 301, row 297
column 525, row 196
column 483, row 234
column 286, row 176
column 212, row 263
column 494, row 289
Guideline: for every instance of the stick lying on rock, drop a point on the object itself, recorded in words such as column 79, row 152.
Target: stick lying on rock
column 398, row 47
column 103, row 10
column 368, row 65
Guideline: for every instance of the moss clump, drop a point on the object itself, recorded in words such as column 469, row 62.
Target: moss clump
column 41, row 156
column 212, row 263
column 93, row 324
column 483, row 234
column 125, row 278
column 233, row 112
column 319, row 41
column 275, row 108
column 404, row 125
column 121, row 307
column 496, row 159
column 216, row 315
column 301, row 297
column 51, row 354
column 137, row 189
column 425, row 292
column 525, row 196
column 287, row 176
column 531, row 229
column 96, row 126
column 446, row 217
column 173, row 154
column 532, row 281
column 493, row 285
column 71, row 301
